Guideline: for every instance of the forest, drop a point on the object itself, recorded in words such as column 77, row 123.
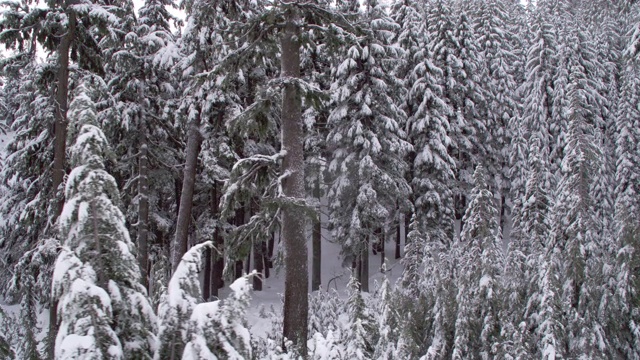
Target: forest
column 161, row 161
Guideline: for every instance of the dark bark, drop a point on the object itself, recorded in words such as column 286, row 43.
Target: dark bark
column 206, row 284
column 258, row 265
column 218, row 265
column 60, row 150
column 239, row 268
column 143, row 210
column 397, row 255
column 293, row 220
column 272, row 243
column 265, row 260
column 238, row 220
column 364, row 271
column 181, row 240
column 247, row 262
column 503, row 208
column 407, row 222
column 381, row 236
column 247, row 218
column 316, row 268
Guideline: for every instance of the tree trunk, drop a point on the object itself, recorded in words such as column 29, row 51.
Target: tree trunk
column 503, row 208
column 296, row 304
column 265, row 260
column 383, row 254
column 316, row 268
column 398, row 239
column 60, row 151
column 407, row 223
column 364, row 275
column 186, row 196
column 238, row 220
column 258, row 265
column 206, row 283
column 272, row 244
column 247, row 218
column 143, row 210
column 218, row 266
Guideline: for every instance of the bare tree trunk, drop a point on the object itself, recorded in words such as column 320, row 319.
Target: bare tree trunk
column 296, row 290
column 218, row 265
column 397, row 255
column 239, row 220
column 247, row 218
column 316, row 268
column 407, row 223
column 364, row 276
column 383, row 253
column 206, row 283
column 143, row 210
column 60, row 150
column 271, row 245
column 258, row 265
column 503, row 208
column 186, row 196
column 265, row 260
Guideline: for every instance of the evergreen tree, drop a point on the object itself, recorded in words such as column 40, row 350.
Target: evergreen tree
column 479, row 276
column 495, row 45
column 575, row 228
column 525, row 270
column 96, row 276
column 624, row 316
column 178, row 303
column 135, row 117
column 454, row 50
column 218, row 329
column 361, row 333
column 368, row 162
column 538, row 88
column 387, row 323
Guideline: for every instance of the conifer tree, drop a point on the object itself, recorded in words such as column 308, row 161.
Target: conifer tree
column 495, row 45
column 218, row 329
column 177, row 305
column 140, row 89
column 479, row 276
column 538, row 87
column 96, row 276
column 624, row 318
column 368, row 163
column 361, row 334
column 575, row 228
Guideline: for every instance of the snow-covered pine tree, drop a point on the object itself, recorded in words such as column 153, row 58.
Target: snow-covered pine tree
column 433, row 167
column 454, row 50
column 368, row 161
column 624, row 321
column 361, row 332
column 549, row 338
column 96, row 278
column 136, row 117
column 218, row 329
column 531, row 227
column 576, row 229
column 25, row 205
column 411, row 38
column 537, row 90
column 387, row 323
column 177, row 304
column 495, row 42
column 6, row 352
column 479, row 276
